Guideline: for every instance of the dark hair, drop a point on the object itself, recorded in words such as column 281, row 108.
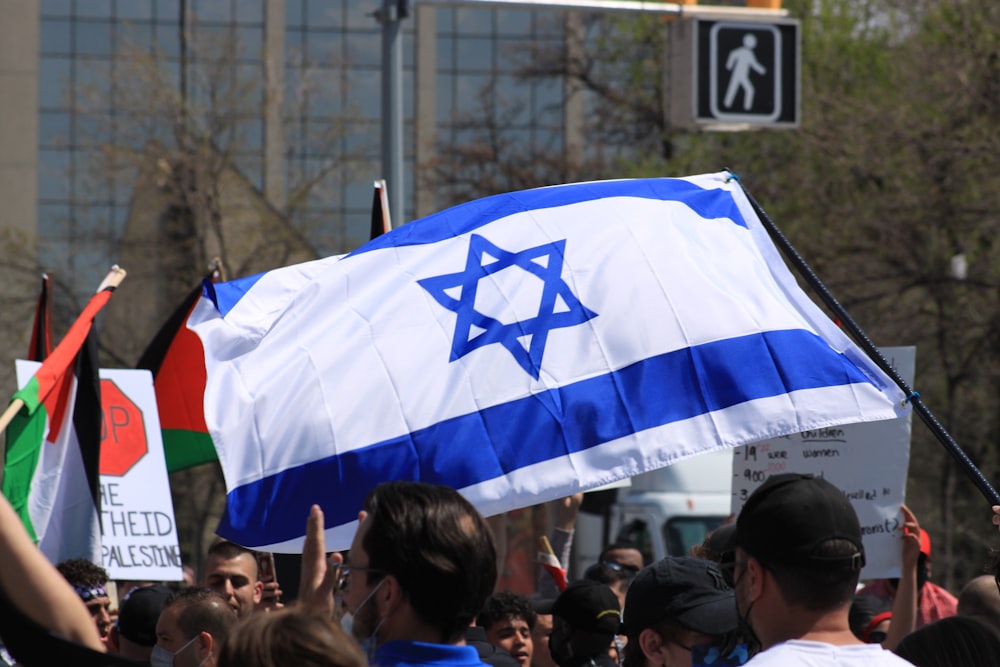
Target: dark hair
column 202, row 610
column 818, row 587
column 507, row 605
column 290, row 637
column 608, row 573
column 956, row 641
column 227, row 550
column 437, row 546
column 669, row 630
column 615, row 546
column 82, row 572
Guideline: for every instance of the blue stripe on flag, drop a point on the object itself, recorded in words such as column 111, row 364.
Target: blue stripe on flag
column 468, row 217
column 226, row 295
column 568, row 419
column 464, row 218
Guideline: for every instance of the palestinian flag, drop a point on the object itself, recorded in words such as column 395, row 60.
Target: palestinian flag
column 41, row 330
column 176, row 359
column 51, row 472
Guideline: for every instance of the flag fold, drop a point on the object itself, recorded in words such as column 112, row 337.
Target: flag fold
column 519, row 348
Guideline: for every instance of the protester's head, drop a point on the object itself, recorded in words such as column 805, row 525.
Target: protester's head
column 623, row 553
column 673, row 605
column 615, row 576
column 191, row 628
column 423, row 563
column 541, row 656
column 980, row 599
column 90, row 582
column 956, row 641
column 138, row 613
column 716, row 545
column 231, row 571
column 869, row 618
column 802, row 533
column 290, row 637
column 509, row 620
column 585, row 619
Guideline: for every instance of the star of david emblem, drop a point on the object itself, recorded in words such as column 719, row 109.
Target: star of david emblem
column 522, row 293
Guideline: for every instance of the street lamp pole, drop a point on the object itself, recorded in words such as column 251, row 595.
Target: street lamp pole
column 390, row 16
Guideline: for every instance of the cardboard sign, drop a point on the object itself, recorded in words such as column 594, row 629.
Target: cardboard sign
column 139, row 534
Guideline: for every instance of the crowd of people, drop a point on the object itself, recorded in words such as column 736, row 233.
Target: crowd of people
column 779, row 586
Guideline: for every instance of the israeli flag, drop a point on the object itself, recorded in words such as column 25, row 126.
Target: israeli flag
column 518, row 348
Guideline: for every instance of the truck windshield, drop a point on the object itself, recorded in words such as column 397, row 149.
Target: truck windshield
column 682, row 533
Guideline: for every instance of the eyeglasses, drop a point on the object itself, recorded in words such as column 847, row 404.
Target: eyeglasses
column 344, row 580
column 606, row 569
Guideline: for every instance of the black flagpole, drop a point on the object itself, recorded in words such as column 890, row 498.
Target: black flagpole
column 861, row 338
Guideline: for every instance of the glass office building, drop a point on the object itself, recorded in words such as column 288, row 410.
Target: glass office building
column 311, row 151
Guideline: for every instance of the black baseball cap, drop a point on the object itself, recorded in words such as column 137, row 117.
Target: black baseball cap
column 542, row 605
column 139, row 613
column 589, row 606
column 690, row 591
column 790, row 516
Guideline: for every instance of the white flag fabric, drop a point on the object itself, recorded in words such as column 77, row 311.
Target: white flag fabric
column 518, row 348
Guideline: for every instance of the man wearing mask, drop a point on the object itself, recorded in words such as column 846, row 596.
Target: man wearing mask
column 191, row 628
column 798, row 558
column 679, row 606
column 420, row 567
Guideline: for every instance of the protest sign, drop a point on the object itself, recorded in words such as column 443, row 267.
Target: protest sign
column 139, row 534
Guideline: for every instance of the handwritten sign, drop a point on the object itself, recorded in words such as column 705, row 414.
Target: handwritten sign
column 867, row 461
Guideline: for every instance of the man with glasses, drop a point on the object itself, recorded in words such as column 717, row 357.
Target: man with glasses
column 798, row 558
column 625, row 554
column 420, row 567
column 679, row 605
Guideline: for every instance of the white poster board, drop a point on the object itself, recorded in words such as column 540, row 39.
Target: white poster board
column 867, row 461
column 138, row 532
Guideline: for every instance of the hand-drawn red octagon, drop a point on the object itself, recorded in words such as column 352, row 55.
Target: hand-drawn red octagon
column 123, row 432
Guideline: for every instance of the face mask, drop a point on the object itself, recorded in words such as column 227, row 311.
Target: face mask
column 743, row 620
column 369, row 643
column 161, row 657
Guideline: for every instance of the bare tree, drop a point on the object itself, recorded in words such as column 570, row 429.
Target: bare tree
column 184, row 139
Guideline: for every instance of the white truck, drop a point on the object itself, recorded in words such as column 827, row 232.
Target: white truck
column 664, row 512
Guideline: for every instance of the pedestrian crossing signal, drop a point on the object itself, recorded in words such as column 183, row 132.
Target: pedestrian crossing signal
column 733, row 74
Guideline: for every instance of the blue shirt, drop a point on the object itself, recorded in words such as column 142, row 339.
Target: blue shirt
column 402, row 653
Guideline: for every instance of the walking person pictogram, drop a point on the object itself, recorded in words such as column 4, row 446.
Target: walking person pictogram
column 740, row 62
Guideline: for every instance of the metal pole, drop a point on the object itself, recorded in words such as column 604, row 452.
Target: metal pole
column 861, row 338
column 392, row 106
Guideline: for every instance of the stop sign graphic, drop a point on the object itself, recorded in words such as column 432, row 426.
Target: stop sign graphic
column 123, row 432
